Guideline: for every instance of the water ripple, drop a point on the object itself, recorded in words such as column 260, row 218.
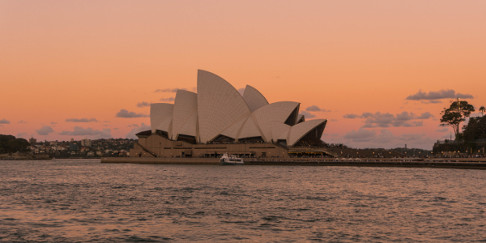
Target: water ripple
column 83, row 200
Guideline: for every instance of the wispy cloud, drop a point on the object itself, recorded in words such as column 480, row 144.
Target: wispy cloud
column 378, row 119
column 361, row 135
column 80, row 131
column 425, row 115
column 442, row 130
column 45, row 130
column 364, row 138
column 307, row 115
column 129, row 114
column 81, row 120
column 4, row 121
column 168, row 90
column 22, row 135
column 136, row 128
column 351, row 116
column 167, row 99
column 143, row 104
column 316, row 108
column 437, row 95
column 431, row 101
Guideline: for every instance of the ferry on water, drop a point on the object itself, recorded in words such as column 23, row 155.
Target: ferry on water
column 228, row 159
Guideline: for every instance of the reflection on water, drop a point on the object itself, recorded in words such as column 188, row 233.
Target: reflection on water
column 83, row 200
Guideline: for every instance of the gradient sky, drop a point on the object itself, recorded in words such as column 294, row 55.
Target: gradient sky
column 67, row 68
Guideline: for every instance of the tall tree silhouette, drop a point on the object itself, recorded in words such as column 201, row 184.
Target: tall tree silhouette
column 457, row 112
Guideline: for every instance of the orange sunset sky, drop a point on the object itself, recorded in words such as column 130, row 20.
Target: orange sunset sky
column 380, row 71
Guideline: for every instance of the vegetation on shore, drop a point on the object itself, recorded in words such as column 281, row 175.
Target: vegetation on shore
column 11, row 144
column 457, row 112
column 472, row 139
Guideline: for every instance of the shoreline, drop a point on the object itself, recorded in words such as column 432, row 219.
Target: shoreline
column 453, row 163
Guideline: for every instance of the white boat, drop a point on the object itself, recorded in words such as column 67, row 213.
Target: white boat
column 229, row 159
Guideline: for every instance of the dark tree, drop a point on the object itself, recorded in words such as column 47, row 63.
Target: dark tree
column 475, row 129
column 457, row 112
column 10, row 144
column 482, row 110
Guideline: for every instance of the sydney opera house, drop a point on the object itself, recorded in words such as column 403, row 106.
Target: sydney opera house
column 218, row 119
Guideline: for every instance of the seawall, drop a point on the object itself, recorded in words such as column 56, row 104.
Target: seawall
column 457, row 163
column 188, row 161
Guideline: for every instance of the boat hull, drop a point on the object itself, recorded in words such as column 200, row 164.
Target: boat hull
column 231, row 163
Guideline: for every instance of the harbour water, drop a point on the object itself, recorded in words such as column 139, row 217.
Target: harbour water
column 84, row 200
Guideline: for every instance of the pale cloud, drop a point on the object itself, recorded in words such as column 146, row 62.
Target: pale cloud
column 143, row 104
column 136, row 128
column 437, row 95
column 442, row 130
column 129, row 114
column 307, row 115
column 80, row 131
column 168, row 90
column 167, row 99
column 367, row 138
column 45, row 130
column 351, row 116
column 22, row 135
column 316, row 108
column 378, row 119
column 81, row 120
column 361, row 135
column 425, row 115
column 431, row 101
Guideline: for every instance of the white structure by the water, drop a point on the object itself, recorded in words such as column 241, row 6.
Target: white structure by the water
column 219, row 110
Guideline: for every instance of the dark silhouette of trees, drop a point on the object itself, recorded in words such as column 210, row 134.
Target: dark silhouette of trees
column 10, row 144
column 457, row 112
column 482, row 110
column 475, row 129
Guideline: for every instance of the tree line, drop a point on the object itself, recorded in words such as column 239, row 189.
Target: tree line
column 11, row 144
column 472, row 137
column 457, row 113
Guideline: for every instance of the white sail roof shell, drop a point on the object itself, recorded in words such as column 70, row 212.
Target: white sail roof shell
column 300, row 130
column 234, row 129
column 184, row 119
column 161, row 117
column 254, row 98
column 280, row 131
column 219, row 105
column 267, row 116
column 218, row 108
column 250, row 129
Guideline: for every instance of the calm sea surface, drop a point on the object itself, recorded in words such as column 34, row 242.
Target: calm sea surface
column 84, row 200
